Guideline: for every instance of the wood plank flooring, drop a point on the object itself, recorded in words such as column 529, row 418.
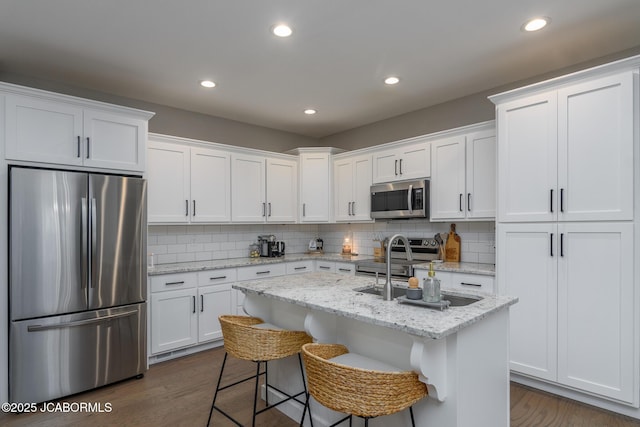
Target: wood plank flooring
column 179, row 393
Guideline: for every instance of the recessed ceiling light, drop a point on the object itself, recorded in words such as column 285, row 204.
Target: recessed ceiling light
column 310, row 111
column 391, row 80
column 281, row 30
column 536, row 24
column 207, row 84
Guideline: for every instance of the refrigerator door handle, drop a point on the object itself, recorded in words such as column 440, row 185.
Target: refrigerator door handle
column 83, row 244
column 36, row 328
column 93, row 226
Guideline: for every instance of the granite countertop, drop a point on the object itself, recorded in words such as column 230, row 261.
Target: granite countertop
column 184, row 267
column 334, row 293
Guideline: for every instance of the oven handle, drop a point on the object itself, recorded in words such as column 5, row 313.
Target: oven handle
column 409, row 194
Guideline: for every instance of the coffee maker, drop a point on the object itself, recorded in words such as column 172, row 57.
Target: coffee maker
column 270, row 247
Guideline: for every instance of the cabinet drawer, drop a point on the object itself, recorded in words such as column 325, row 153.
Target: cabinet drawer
column 261, row 271
column 475, row 282
column 326, row 266
column 299, row 267
column 215, row 277
column 170, row 282
column 345, row 268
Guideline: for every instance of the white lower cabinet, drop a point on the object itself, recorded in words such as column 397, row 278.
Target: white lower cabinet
column 185, row 308
column 574, row 321
column 325, row 266
column 300, row 267
column 460, row 281
column 345, row 268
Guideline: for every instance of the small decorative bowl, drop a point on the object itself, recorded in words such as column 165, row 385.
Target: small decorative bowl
column 414, row 293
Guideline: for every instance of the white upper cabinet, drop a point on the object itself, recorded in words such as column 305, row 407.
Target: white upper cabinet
column 567, row 154
column 188, row 184
column 263, row 189
column 49, row 130
column 408, row 161
column 352, row 188
column 463, row 177
column 315, row 187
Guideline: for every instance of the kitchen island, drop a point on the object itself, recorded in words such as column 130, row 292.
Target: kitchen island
column 460, row 353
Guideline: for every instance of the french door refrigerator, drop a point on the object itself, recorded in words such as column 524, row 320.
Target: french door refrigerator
column 77, row 281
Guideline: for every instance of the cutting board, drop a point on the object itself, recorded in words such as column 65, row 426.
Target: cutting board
column 452, row 247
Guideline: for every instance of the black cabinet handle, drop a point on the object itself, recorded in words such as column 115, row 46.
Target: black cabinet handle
column 264, row 209
column 304, row 209
column 400, row 166
column 78, row 146
column 562, row 244
column 562, row 200
column 263, row 272
column 186, row 208
column 470, row 284
column 324, row 267
column 353, row 208
column 201, row 303
column 395, row 168
column 217, row 278
column 88, row 147
column 269, row 208
column 345, row 269
column 194, row 303
column 551, row 244
column 194, row 208
column 460, row 202
column 300, row 268
column 174, row 283
column 469, row 202
column 551, row 200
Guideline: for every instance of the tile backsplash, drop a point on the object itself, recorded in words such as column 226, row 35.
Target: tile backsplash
column 185, row 243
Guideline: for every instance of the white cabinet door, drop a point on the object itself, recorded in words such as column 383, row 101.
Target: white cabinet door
column 352, row 189
column 448, row 179
column 343, row 189
column 385, row 166
column 315, row 185
column 361, row 194
column 596, row 332
column 415, row 161
column 43, row 131
column 214, row 301
column 527, row 268
column 481, row 175
column 114, row 141
column 527, row 159
column 174, row 322
column 168, row 176
column 248, row 203
column 595, row 149
column 210, row 185
column 282, row 190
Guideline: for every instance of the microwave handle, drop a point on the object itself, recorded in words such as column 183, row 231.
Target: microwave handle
column 409, row 194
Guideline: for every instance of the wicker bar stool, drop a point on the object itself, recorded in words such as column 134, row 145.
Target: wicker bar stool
column 357, row 385
column 249, row 338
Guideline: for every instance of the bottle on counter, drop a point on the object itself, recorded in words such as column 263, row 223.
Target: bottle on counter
column 431, row 288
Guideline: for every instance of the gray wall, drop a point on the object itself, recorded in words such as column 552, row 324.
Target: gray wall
column 172, row 121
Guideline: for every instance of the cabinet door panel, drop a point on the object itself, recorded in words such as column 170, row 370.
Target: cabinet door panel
column 343, row 189
column 210, row 186
column 415, row 161
column 248, row 202
column 361, row 207
column 114, row 142
column 174, row 323
column 314, row 187
column 43, row 131
column 595, row 149
column 168, row 177
column 527, row 158
column 595, row 308
column 448, row 198
column 385, row 166
column 214, row 301
column 282, row 190
column 525, row 268
column 481, row 175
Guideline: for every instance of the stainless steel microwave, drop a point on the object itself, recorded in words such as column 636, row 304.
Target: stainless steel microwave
column 403, row 199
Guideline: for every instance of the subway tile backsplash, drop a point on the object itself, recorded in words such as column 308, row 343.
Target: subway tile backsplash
column 185, row 243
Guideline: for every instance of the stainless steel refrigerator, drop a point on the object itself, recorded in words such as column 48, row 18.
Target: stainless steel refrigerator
column 77, row 281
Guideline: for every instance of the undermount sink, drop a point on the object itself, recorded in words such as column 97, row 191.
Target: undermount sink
column 396, row 291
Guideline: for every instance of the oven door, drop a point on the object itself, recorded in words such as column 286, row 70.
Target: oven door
column 400, row 199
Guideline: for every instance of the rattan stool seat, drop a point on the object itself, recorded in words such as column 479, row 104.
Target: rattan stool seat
column 250, row 338
column 366, row 393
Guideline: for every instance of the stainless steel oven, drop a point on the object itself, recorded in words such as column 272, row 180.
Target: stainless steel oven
column 404, row 199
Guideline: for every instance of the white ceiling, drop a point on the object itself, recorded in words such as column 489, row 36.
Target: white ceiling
column 340, row 51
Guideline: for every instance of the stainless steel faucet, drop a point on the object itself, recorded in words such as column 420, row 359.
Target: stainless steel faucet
column 387, row 293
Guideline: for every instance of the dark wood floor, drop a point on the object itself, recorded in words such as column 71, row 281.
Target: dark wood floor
column 179, row 393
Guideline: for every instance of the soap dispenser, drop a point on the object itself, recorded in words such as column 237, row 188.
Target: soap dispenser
column 431, row 288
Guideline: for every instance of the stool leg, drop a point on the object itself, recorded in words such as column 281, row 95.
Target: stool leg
column 255, row 395
column 266, row 382
column 306, row 393
column 413, row 422
column 215, row 395
column 366, row 422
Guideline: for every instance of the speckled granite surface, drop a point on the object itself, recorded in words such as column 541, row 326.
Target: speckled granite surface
column 334, row 293
column 458, row 267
